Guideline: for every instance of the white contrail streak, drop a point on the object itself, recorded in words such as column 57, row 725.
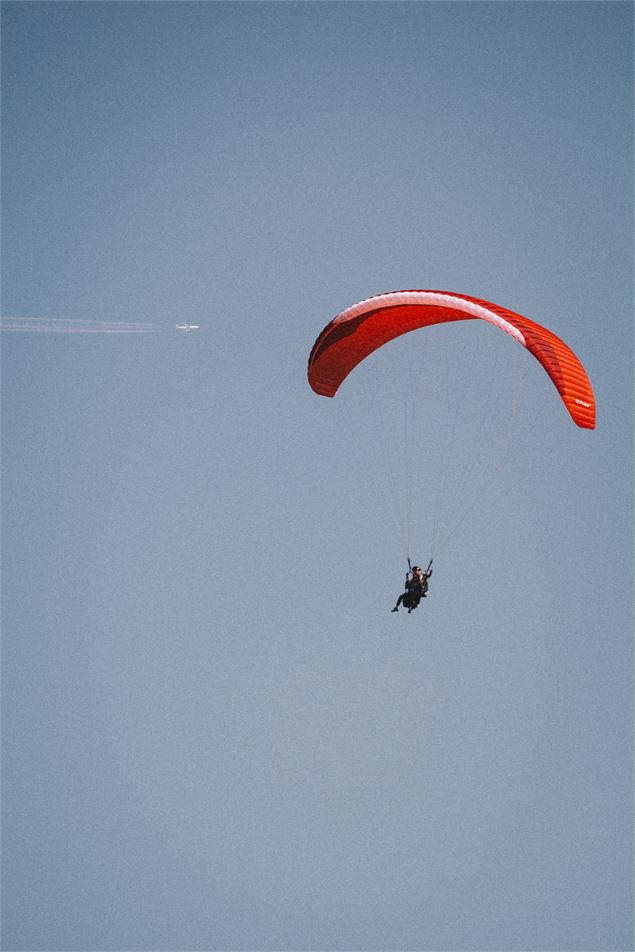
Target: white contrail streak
column 54, row 325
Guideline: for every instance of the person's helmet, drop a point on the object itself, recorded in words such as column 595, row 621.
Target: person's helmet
column 416, row 568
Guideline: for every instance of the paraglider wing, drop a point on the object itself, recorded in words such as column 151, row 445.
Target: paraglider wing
column 361, row 329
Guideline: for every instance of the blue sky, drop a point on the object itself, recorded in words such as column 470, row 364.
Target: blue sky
column 215, row 733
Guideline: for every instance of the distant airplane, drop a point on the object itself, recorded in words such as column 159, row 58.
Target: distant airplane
column 187, row 327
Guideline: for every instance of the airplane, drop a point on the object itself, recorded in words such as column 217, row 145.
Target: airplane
column 187, row 327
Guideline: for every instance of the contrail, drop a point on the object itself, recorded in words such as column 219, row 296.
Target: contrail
column 54, row 325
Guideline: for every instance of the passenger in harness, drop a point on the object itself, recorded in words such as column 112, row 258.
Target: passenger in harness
column 416, row 587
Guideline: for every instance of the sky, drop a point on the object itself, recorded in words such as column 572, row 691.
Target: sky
column 216, row 735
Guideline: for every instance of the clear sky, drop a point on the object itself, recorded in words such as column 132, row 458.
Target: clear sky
column 216, row 736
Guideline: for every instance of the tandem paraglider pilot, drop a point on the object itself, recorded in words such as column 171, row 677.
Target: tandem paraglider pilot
column 416, row 587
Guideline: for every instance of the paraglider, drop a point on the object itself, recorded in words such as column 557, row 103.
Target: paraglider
column 365, row 327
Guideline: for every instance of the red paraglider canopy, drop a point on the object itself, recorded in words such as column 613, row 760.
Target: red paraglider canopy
column 361, row 329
